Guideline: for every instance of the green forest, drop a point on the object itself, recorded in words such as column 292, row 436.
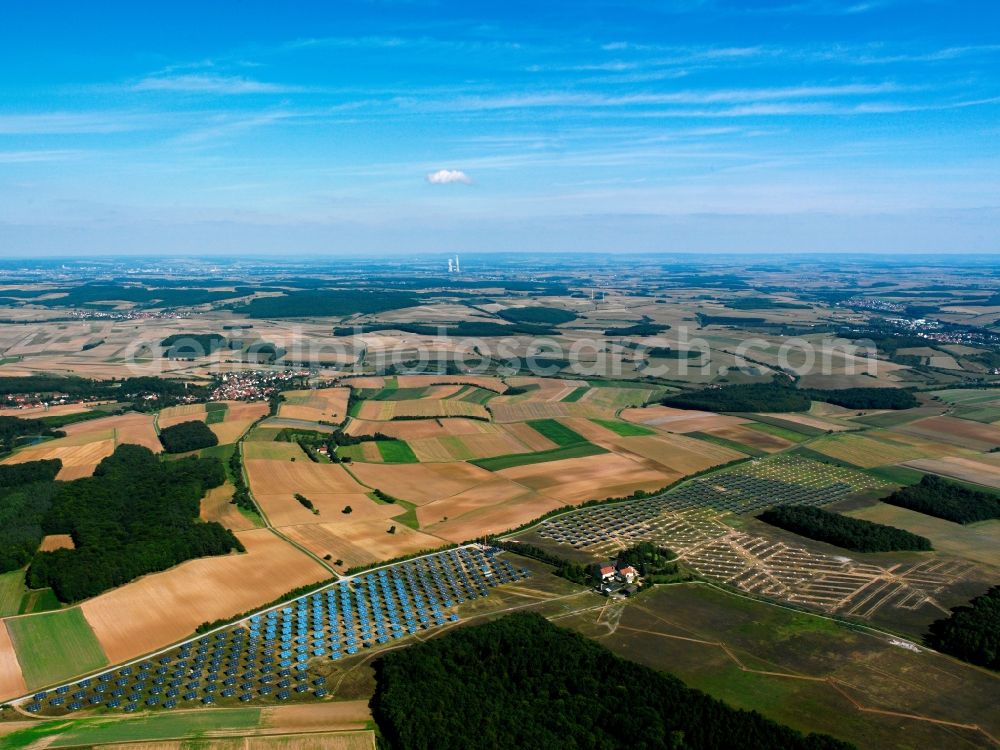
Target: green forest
column 972, row 633
column 147, row 392
column 187, row 436
column 136, row 515
column 521, row 682
column 948, row 500
column 339, row 303
column 781, row 396
column 843, row 531
column 25, row 496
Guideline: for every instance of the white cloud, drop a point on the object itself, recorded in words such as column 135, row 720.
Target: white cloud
column 448, row 177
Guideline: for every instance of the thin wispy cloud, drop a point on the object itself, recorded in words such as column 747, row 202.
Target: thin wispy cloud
column 213, row 84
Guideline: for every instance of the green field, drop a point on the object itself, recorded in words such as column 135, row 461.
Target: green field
column 399, row 394
column 557, row 432
column 215, row 412
column 39, row 600
column 477, row 395
column 11, row 592
column 55, row 646
column 625, row 429
column 801, row 429
column 578, row 450
column 409, row 516
column 891, row 418
column 576, row 394
column 396, row 452
column 150, row 727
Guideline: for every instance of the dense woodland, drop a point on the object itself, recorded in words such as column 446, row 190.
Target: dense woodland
column 25, row 497
column 781, row 396
column 187, row 436
column 948, row 500
column 521, row 682
column 322, row 303
column 843, row 531
column 552, row 316
column 184, row 345
column 652, row 562
column 971, row 633
column 136, row 515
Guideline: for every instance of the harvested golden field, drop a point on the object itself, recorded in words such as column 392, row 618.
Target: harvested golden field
column 11, row 681
column 318, row 405
column 230, row 431
column 680, row 420
column 576, row 480
column 133, row 427
column 361, row 542
column 53, row 542
column 78, row 460
column 525, row 410
column 427, row 409
column 973, row 435
column 215, row 506
column 326, row 716
column 240, row 410
column 164, row 607
column 470, row 515
column 674, row 453
column 966, row 469
column 283, row 510
column 184, row 413
column 269, row 476
column 877, row 448
column 274, row 451
column 422, row 483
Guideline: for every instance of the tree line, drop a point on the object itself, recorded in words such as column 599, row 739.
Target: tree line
column 25, row 497
column 843, row 531
column 521, row 682
column 971, row 633
column 780, row 395
column 948, row 500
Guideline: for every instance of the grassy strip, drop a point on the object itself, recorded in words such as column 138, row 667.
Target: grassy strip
column 396, row 452
column 557, row 432
column 578, row 450
column 802, row 429
column 11, row 592
column 576, row 394
column 39, row 600
column 625, row 429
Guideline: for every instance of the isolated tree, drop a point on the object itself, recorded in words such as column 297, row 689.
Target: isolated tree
column 347, row 509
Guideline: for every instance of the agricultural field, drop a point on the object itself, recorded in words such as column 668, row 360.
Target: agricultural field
column 164, row 607
column 54, row 646
column 79, row 453
column 317, row 405
column 979, row 542
column 984, row 470
column 962, row 432
column 878, row 448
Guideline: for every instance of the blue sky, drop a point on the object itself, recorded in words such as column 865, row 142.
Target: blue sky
column 412, row 126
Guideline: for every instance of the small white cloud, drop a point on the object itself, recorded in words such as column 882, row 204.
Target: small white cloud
column 448, row 177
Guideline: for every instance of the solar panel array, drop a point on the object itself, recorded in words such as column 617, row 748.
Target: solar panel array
column 269, row 654
column 747, row 488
